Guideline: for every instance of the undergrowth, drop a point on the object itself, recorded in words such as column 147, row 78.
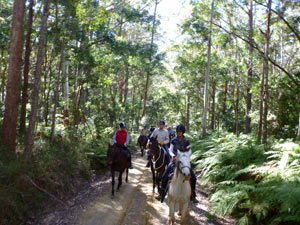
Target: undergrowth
column 255, row 185
column 55, row 172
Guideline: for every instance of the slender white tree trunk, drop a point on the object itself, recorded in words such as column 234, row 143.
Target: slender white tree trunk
column 207, row 72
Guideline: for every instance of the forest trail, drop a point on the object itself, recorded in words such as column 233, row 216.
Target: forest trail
column 135, row 204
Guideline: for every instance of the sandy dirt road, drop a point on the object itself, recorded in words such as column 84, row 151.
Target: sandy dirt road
column 135, row 204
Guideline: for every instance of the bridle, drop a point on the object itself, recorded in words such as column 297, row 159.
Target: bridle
column 160, row 150
column 180, row 168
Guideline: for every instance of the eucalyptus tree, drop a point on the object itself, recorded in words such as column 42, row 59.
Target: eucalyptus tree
column 9, row 129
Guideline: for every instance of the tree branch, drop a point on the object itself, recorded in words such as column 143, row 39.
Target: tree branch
column 284, row 20
column 290, row 75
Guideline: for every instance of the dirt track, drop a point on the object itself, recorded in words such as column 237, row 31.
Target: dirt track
column 133, row 205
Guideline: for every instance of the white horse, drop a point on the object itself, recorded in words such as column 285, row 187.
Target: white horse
column 180, row 188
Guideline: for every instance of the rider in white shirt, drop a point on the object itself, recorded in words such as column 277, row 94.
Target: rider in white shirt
column 162, row 137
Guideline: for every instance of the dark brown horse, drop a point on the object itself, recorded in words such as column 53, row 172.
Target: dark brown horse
column 117, row 160
column 142, row 142
column 158, row 162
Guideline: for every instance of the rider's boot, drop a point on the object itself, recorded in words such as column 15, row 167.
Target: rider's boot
column 194, row 198
column 161, row 195
column 148, row 163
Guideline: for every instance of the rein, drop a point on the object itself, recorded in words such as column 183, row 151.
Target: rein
column 155, row 161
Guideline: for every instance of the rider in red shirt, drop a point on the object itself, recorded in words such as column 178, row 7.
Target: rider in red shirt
column 121, row 139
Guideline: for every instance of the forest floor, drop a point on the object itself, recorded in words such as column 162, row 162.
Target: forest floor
column 134, row 204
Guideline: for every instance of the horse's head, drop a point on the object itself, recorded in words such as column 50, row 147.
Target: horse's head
column 153, row 146
column 110, row 154
column 183, row 163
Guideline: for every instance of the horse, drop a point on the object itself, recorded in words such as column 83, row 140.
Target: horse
column 157, row 162
column 180, row 189
column 142, row 142
column 118, row 162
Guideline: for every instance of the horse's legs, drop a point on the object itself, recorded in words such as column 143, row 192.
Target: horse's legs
column 126, row 179
column 180, row 209
column 120, row 181
column 184, row 214
column 153, row 177
column 112, row 183
column 158, row 179
column 171, row 212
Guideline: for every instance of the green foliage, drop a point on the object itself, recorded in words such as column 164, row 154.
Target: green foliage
column 257, row 186
column 58, row 168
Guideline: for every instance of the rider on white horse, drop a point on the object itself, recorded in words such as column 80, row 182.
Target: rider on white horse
column 162, row 137
column 179, row 143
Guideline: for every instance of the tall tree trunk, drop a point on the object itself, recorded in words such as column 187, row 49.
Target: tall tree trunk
column 259, row 133
column 56, row 95
column 26, row 69
column 188, row 106
column 37, row 81
column 9, row 129
column 149, row 70
column 213, row 107
column 126, row 84
column 298, row 135
column 207, row 72
column 236, row 106
column 66, row 112
column 266, row 77
column 225, row 98
column 250, row 71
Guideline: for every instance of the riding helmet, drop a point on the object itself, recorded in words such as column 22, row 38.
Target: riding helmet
column 162, row 122
column 122, row 124
column 180, row 128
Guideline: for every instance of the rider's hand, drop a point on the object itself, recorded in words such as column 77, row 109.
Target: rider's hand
column 161, row 143
column 174, row 158
column 147, row 147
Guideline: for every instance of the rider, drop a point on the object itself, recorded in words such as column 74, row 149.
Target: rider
column 171, row 133
column 121, row 139
column 163, row 139
column 151, row 130
column 144, row 132
column 179, row 143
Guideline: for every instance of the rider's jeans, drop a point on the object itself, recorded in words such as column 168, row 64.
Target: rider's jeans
column 167, row 150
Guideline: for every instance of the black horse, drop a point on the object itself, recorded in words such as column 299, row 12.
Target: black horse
column 158, row 162
column 117, row 160
column 142, row 142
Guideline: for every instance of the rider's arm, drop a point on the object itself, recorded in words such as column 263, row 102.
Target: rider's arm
column 127, row 140
column 171, row 150
column 188, row 146
column 114, row 139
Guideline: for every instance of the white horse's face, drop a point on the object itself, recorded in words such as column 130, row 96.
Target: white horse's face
column 184, row 163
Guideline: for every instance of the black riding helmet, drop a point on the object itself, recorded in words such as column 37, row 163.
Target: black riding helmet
column 122, row 124
column 180, row 128
column 162, row 122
